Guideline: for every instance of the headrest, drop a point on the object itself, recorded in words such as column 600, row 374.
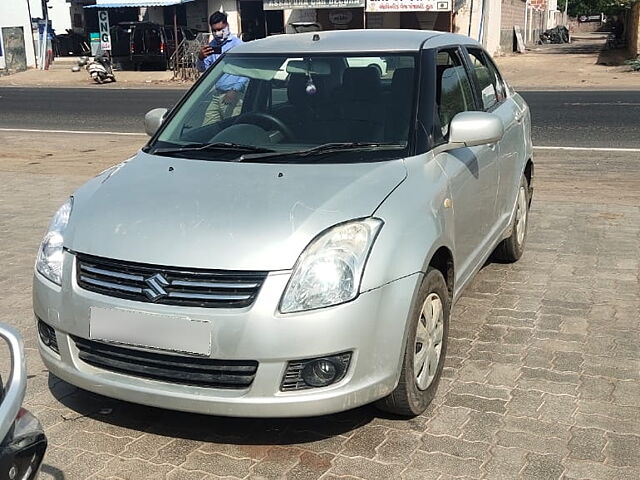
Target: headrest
column 402, row 81
column 361, row 83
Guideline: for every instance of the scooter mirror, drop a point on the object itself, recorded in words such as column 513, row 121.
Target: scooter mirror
column 153, row 119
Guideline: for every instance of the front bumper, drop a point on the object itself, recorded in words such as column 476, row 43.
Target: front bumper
column 372, row 327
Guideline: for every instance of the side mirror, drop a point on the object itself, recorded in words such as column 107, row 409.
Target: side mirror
column 22, row 439
column 469, row 129
column 475, row 128
column 153, row 119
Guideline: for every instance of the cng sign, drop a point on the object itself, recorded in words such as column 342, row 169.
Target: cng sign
column 105, row 37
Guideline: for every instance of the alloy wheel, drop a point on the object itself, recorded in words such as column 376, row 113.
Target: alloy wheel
column 428, row 345
column 522, row 213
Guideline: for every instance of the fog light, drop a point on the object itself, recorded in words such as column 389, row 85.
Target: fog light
column 315, row 372
column 48, row 336
column 319, row 373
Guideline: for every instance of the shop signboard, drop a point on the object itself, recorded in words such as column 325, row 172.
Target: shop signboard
column 408, row 5
column 105, row 36
column 304, row 4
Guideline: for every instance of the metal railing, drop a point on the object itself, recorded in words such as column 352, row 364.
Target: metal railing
column 183, row 60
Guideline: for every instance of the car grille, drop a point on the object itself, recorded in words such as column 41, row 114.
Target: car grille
column 168, row 285
column 202, row 372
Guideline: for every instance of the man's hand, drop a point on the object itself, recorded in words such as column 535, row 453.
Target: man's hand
column 230, row 98
column 205, row 51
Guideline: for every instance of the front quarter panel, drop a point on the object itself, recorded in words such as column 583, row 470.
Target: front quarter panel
column 416, row 224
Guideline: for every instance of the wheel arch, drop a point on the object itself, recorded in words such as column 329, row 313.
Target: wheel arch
column 442, row 260
column 528, row 173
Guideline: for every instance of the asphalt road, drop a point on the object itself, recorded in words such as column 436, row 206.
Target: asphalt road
column 576, row 119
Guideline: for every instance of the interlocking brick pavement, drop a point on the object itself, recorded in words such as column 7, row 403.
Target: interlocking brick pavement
column 542, row 378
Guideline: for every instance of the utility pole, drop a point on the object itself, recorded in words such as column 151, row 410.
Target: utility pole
column 45, row 34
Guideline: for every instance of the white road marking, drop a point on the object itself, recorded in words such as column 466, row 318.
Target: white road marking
column 614, row 104
column 83, row 132
column 588, row 149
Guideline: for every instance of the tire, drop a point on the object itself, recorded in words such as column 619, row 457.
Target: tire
column 510, row 249
column 415, row 392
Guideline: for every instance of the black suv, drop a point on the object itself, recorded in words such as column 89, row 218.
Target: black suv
column 137, row 45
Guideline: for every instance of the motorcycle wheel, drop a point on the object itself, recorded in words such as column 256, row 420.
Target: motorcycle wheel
column 99, row 79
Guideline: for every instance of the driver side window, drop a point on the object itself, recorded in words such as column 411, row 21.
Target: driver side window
column 453, row 88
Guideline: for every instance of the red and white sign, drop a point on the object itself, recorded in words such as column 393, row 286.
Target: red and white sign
column 409, row 5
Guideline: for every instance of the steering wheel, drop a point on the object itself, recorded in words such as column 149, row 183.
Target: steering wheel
column 262, row 118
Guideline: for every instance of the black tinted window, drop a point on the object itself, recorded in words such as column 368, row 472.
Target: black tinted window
column 487, row 78
column 453, row 89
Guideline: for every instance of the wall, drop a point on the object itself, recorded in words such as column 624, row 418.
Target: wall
column 467, row 22
column 491, row 39
column 467, row 19
column 16, row 14
column 512, row 15
column 152, row 14
column 633, row 30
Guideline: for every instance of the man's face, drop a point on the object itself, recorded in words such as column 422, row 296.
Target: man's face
column 218, row 28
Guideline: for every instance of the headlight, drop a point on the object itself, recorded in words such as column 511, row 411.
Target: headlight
column 50, row 255
column 330, row 269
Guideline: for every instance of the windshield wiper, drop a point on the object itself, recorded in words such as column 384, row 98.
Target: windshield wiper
column 216, row 146
column 325, row 148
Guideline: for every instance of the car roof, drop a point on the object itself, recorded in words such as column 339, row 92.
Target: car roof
column 345, row 41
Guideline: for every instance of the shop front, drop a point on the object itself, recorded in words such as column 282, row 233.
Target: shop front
column 301, row 15
column 414, row 14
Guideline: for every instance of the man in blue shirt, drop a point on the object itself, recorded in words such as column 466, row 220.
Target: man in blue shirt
column 229, row 89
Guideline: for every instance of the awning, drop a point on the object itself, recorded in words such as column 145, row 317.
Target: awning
column 136, row 3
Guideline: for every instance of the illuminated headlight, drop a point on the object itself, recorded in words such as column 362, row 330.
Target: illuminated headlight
column 50, row 254
column 330, row 269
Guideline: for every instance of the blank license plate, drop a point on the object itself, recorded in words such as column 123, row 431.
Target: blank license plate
column 173, row 333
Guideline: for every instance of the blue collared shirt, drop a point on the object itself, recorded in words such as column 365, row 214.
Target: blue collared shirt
column 226, row 82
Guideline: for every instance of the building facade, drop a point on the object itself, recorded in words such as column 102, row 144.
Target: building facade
column 17, row 51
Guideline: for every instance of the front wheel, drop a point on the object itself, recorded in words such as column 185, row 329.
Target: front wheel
column 511, row 249
column 425, row 349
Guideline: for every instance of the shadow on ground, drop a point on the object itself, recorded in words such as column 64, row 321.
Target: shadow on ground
column 588, row 46
column 230, row 430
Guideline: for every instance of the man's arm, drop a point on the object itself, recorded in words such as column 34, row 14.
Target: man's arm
column 204, row 58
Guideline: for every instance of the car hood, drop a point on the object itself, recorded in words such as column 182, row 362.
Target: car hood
column 220, row 215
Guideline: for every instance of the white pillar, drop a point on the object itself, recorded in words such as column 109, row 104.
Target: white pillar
column 492, row 26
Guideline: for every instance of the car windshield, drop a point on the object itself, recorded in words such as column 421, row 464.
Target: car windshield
column 274, row 107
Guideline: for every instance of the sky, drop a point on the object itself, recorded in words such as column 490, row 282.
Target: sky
column 59, row 14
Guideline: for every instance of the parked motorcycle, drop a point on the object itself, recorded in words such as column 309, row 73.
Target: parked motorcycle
column 100, row 69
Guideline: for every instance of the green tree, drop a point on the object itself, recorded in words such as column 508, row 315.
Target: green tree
column 593, row 7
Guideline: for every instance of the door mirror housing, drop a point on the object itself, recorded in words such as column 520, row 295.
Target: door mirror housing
column 22, row 439
column 153, row 119
column 470, row 129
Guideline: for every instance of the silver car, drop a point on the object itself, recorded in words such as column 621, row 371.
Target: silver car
column 292, row 248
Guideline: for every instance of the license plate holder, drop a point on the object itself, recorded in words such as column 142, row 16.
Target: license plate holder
column 143, row 329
